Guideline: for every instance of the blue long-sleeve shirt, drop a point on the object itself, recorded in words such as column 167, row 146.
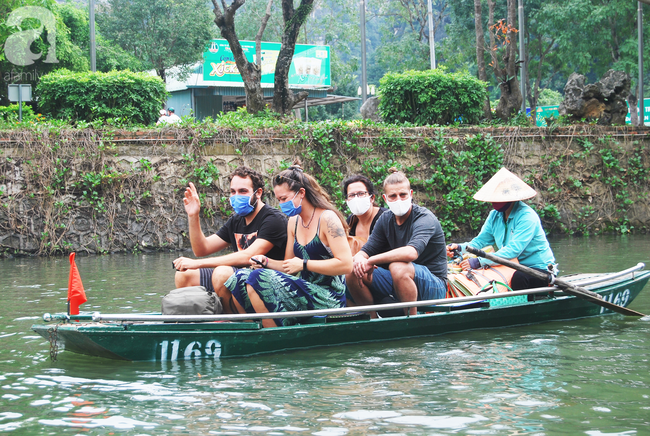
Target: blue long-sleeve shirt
column 521, row 237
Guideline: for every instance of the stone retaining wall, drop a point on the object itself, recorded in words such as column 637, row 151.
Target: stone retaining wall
column 96, row 192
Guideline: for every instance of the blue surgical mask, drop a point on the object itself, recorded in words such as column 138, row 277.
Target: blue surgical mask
column 289, row 208
column 242, row 204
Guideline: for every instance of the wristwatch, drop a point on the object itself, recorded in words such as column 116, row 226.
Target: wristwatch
column 304, row 264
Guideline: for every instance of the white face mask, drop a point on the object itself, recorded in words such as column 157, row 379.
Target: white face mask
column 359, row 206
column 400, row 207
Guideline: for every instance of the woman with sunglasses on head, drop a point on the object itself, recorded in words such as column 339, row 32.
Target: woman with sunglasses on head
column 360, row 197
column 317, row 257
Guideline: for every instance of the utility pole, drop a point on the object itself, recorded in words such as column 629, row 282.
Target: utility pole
column 432, row 37
column 641, row 102
column 364, row 79
column 522, row 57
column 93, row 61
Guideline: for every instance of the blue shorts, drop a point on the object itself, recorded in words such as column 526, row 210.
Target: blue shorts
column 430, row 287
column 205, row 278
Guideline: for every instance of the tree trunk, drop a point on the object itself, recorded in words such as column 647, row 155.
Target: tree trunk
column 260, row 32
column 510, row 101
column 633, row 102
column 480, row 55
column 162, row 74
column 283, row 98
column 250, row 72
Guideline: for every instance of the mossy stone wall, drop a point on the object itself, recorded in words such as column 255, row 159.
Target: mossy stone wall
column 108, row 191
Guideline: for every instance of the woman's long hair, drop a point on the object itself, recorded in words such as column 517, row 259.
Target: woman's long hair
column 295, row 178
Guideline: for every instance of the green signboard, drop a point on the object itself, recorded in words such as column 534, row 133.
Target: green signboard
column 646, row 115
column 310, row 67
column 544, row 112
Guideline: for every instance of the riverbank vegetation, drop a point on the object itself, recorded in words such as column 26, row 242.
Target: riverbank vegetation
column 115, row 188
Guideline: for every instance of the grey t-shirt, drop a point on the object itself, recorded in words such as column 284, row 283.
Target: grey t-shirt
column 421, row 231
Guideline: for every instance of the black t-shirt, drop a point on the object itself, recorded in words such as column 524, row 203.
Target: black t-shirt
column 421, row 231
column 353, row 225
column 269, row 224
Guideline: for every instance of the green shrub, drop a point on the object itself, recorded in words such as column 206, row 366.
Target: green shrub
column 549, row 97
column 10, row 113
column 134, row 97
column 431, row 97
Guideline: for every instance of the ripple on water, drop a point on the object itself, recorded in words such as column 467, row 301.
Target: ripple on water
column 116, row 422
column 439, row 422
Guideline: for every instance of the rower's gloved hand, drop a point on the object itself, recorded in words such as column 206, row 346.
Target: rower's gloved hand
column 471, row 263
column 474, row 263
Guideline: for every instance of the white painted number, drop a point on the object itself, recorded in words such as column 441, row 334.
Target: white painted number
column 213, row 348
column 621, row 299
column 192, row 350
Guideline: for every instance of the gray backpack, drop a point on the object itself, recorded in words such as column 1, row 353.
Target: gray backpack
column 192, row 300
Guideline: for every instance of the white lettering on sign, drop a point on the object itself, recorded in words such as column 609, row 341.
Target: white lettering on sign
column 193, row 350
column 223, row 68
column 620, row 299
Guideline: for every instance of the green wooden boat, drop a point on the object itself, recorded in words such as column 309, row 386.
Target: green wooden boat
column 147, row 337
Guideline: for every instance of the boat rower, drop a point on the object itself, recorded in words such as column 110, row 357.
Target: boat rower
column 513, row 228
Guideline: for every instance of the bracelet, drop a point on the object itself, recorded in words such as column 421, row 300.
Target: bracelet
column 266, row 265
column 304, row 265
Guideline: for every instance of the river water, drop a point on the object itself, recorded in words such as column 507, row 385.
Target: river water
column 588, row 376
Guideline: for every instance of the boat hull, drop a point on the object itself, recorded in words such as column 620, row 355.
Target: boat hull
column 147, row 341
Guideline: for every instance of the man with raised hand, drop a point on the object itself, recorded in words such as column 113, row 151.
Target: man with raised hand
column 405, row 257
column 254, row 229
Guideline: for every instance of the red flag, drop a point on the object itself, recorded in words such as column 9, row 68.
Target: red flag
column 76, row 294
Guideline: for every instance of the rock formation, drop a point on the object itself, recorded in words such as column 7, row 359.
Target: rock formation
column 370, row 109
column 603, row 101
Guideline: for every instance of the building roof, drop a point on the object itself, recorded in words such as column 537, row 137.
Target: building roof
column 311, row 101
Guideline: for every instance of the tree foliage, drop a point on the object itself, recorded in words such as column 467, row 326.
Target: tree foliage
column 109, row 55
column 403, row 35
column 67, row 53
column 585, row 36
column 161, row 33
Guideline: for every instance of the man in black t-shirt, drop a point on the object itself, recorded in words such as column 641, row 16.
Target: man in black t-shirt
column 255, row 228
column 405, row 258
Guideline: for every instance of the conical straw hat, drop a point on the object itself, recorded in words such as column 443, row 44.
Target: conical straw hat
column 503, row 187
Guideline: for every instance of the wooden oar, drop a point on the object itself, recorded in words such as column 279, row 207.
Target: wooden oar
column 567, row 287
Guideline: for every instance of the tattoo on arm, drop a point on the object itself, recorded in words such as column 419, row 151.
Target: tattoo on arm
column 334, row 228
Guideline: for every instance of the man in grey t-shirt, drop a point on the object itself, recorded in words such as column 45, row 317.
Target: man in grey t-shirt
column 405, row 256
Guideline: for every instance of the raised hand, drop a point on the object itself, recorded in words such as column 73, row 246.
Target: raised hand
column 191, row 201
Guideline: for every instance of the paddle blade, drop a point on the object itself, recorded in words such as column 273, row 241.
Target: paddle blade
column 582, row 293
column 76, row 294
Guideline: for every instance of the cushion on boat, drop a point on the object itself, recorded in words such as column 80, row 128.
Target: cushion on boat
column 192, row 300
